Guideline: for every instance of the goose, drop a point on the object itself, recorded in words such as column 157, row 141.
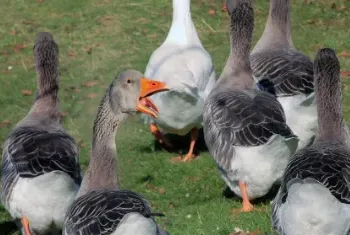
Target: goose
column 314, row 197
column 183, row 63
column 40, row 167
column 245, row 128
column 101, row 206
column 275, row 58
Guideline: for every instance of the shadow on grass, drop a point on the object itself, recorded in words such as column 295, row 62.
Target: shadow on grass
column 180, row 144
column 8, row 227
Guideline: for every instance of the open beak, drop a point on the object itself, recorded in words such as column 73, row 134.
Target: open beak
column 148, row 88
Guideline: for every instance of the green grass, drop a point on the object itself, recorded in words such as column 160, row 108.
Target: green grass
column 98, row 39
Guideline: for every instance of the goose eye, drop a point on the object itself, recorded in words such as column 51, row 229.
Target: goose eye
column 129, row 80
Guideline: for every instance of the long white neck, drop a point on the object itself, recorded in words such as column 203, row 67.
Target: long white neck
column 182, row 30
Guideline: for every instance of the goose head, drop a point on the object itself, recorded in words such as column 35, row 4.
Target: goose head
column 130, row 92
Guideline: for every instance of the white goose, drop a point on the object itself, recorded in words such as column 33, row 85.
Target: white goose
column 183, row 63
column 314, row 197
column 275, row 58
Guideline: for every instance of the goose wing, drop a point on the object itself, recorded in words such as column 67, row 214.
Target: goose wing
column 326, row 164
column 241, row 118
column 29, row 152
column 99, row 212
column 290, row 71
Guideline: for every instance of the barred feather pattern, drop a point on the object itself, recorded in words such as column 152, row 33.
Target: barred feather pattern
column 290, row 71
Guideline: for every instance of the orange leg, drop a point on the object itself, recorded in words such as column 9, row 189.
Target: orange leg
column 224, row 8
column 159, row 136
column 189, row 156
column 25, row 224
column 194, row 136
column 246, row 205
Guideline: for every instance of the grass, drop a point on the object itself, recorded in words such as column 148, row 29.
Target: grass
column 98, row 39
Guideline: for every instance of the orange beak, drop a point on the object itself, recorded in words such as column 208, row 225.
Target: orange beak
column 148, row 88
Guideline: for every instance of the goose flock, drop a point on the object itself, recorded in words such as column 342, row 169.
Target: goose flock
column 272, row 118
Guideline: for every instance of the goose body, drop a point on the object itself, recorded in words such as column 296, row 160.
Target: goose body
column 40, row 169
column 112, row 212
column 275, row 58
column 245, row 128
column 176, row 62
column 314, row 197
column 101, row 207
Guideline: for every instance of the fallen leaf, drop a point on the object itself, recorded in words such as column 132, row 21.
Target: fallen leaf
column 161, row 190
column 344, row 54
column 5, row 71
column 211, row 12
column 26, row 92
column 63, row 114
column 171, row 205
column 106, row 20
column 77, row 90
column 72, row 53
column 5, row 123
column 92, row 95
column 344, row 73
column 91, row 83
column 12, row 32
column 317, row 47
column 28, row 22
column 5, row 54
column 18, row 47
column 89, row 49
column 39, row 1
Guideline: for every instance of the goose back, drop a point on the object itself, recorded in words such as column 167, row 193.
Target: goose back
column 243, row 126
column 315, row 186
column 40, row 166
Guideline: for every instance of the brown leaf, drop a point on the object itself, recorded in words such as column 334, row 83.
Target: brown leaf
column 89, row 49
column 344, row 54
column 12, row 32
column 18, row 47
column 26, row 92
column 39, row 1
column 344, row 74
column 106, row 20
column 5, row 54
column 171, row 205
column 77, row 90
column 28, row 22
column 72, row 53
column 91, row 83
column 161, row 190
column 5, row 123
column 5, row 71
column 63, row 114
column 211, row 12
column 92, row 95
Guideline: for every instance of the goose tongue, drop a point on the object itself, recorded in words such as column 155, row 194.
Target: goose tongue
column 148, row 88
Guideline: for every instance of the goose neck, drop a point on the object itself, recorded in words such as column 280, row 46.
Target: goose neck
column 241, row 29
column 182, row 30
column 102, row 172
column 181, row 11
column 331, row 123
column 277, row 30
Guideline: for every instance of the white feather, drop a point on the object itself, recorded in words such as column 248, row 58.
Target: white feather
column 187, row 68
column 50, row 197
column 311, row 209
column 136, row 224
column 261, row 166
column 301, row 117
